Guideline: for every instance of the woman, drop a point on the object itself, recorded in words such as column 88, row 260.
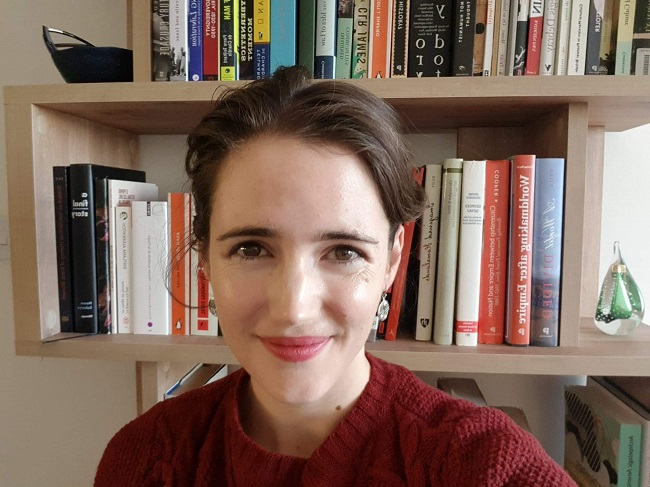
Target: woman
column 301, row 190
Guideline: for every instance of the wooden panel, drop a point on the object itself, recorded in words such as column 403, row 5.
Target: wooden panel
column 60, row 139
column 139, row 37
column 153, row 379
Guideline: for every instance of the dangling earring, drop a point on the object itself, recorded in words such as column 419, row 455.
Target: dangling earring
column 383, row 308
column 212, row 306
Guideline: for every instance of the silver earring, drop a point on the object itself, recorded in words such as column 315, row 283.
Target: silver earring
column 383, row 308
column 212, row 306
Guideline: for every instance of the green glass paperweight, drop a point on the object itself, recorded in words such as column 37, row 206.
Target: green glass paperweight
column 620, row 304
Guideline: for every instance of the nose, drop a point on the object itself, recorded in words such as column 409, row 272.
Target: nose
column 294, row 292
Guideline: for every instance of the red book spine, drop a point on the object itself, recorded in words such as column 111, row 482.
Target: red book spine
column 211, row 40
column 522, row 184
column 399, row 284
column 492, row 305
column 535, row 25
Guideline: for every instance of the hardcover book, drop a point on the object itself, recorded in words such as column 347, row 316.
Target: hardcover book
column 63, row 248
column 430, row 38
column 547, row 251
column 195, row 40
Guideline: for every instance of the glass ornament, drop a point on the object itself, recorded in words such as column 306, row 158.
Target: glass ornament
column 620, row 303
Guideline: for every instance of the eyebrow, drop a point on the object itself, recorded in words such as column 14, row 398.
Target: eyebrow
column 264, row 232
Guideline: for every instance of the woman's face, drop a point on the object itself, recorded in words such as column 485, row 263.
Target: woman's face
column 298, row 259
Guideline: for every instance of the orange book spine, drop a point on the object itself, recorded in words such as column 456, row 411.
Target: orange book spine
column 492, row 303
column 522, row 183
column 399, row 284
column 179, row 278
column 379, row 66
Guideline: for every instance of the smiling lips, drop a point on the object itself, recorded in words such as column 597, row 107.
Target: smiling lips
column 295, row 349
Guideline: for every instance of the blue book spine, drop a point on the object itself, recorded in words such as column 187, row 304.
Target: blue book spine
column 325, row 50
column 548, row 221
column 195, row 37
column 284, row 22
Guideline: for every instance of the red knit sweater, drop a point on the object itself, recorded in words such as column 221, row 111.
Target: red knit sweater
column 401, row 432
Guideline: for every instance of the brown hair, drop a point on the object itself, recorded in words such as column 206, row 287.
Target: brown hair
column 325, row 112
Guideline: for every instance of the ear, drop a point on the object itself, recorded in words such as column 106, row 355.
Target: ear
column 394, row 257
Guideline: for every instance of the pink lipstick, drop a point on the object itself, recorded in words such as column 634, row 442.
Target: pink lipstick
column 295, row 349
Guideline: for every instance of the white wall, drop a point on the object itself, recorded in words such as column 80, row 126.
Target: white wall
column 56, row 415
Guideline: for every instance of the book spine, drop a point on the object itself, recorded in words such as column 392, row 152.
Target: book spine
column 307, row 33
column 502, row 41
column 594, row 34
column 63, row 251
column 379, row 63
column 228, row 33
column 463, row 38
column 492, row 302
column 522, row 197
column 262, row 39
column 102, row 258
column 360, row 39
column 489, row 50
column 325, row 50
column 178, row 39
column 344, row 27
column 284, row 33
column 577, row 55
column 399, row 284
column 210, row 40
column 428, row 252
column 608, row 37
column 178, row 211
column 246, row 29
column 161, row 64
column 122, row 216
column 206, row 323
column 195, row 40
column 535, row 25
column 640, row 60
column 470, row 248
column 430, row 38
column 549, row 38
column 512, row 32
column 624, row 37
column 521, row 39
column 150, row 251
column 82, row 234
column 547, row 252
column 399, row 47
column 443, row 316
column 563, row 32
column 480, row 30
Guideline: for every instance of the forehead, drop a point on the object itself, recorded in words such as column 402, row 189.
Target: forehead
column 273, row 179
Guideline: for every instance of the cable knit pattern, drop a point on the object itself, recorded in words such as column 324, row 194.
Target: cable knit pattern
column 401, row 432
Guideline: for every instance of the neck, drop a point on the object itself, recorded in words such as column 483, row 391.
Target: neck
column 299, row 429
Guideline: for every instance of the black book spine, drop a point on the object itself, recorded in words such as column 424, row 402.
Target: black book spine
column 463, row 44
column 594, row 34
column 521, row 38
column 63, row 252
column 430, row 38
column 399, row 58
column 246, row 71
column 102, row 256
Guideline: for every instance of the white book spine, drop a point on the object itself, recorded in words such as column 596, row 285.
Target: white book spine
column 470, row 249
column 122, row 296
column 549, row 38
column 577, row 55
column 178, row 39
column 563, row 31
column 443, row 316
column 428, row 252
column 489, row 38
column 149, row 264
column 504, row 30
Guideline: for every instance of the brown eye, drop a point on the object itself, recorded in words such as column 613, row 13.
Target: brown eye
column 344, row 254
column 249, row 250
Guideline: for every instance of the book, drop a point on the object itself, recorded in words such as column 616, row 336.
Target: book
column 501, row 37
column 325, row 50
column 640, row 60
column 492, row 302
column 344, row 27
column 563, row 32
column 399, row 284
column 380, row 44
column 549, row 38
column 228, row 39
column 602, row 438
column 202, row 321
column 430, row 38
column 150, row 258
column 480, row 31
column 547, row 252
column 535, row 26
column 307, row 33
column 445, row 299
column 178, row 224
column 245, row 56
column 624, row 33
column 400, row 44
column 470, row 248
column 361, row 38
column 520, row 38
column 577, row 53
column 210, row 40
column 194, row 40
column 262, row 39
column 428, row 252
column 488, row 51
column 161, row 62
column 200, row 375
column 522, row 197
column 83, row 226
column 608, row 37
column 117, row 193
column 178, row 40
column 284, row 33
column 594, row 35
column 512, row 32
column 122, row 282
column 462, row 50
column 63, row 248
